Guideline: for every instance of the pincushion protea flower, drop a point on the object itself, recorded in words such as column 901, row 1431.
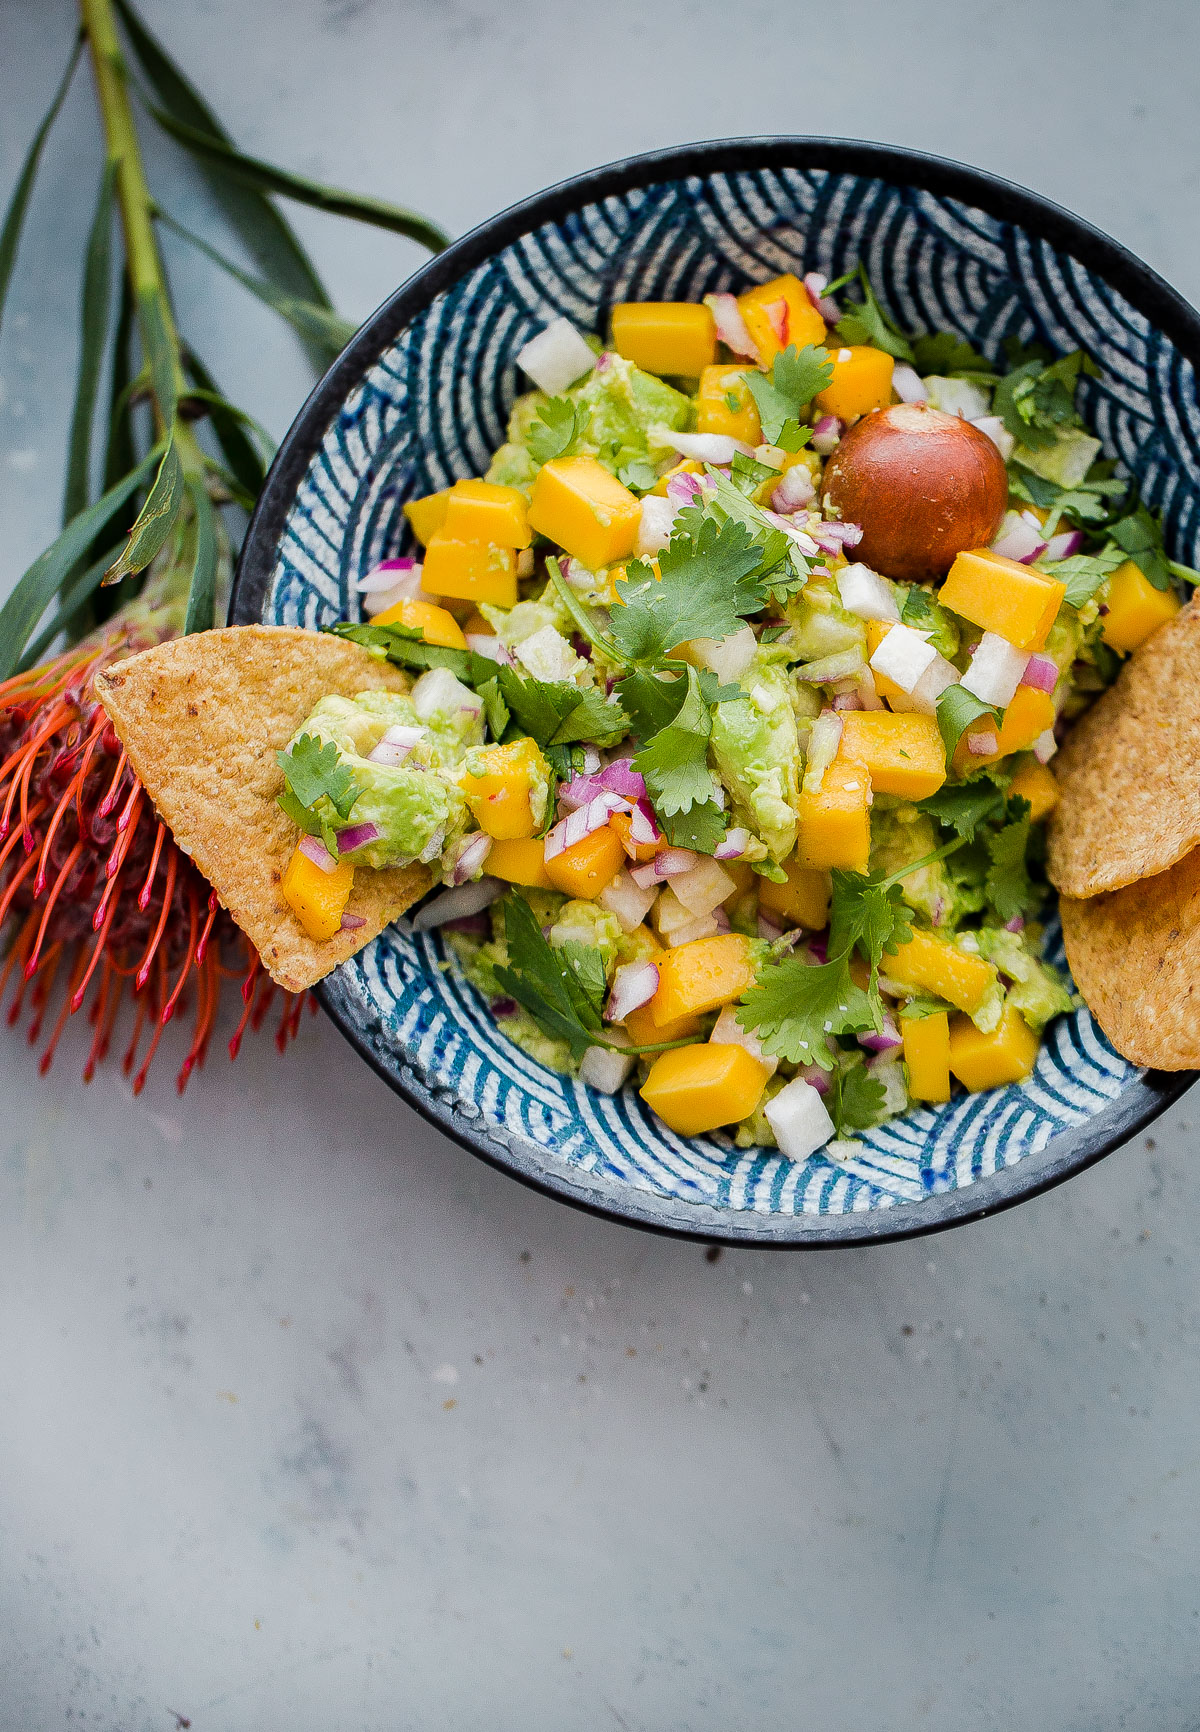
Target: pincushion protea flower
column 96, row 900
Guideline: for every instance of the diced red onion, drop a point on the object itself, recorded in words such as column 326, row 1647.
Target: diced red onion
column 816, row 1078
column 669, row 864
column 603, row 359
column 352, row 923
column 1064, row 544
column 731, row 326
column 828, row 308
column 795, row 489
column 1020, row 538
column 722, row 920
column 1041, row 672
column 908, row 385
column 315, row 850
column 633, row 985
column 1045, row 746
column 886, row 1040
column 582, row 822
column 357, row 836
column 643, row 826
column 848, row 701
column 618, row 778
column 683, row 489
column 384, row 575
column 457, row 903
column 826, row 434
column 834, row 537
column 472, row 852
column 817, row 948
column 1016, row 924
column 769, row 929
column 734, row 845
column 984, row 745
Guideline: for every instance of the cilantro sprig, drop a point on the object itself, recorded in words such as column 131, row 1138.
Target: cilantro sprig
column 868, row 323
column 783, row 395
column 406, row 647
column 1037, row 397
column 707, row 588
column 313, row 771
column 559, row 429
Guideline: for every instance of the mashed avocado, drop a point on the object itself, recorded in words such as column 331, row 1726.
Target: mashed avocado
column 757, row 749
column 1038, row 990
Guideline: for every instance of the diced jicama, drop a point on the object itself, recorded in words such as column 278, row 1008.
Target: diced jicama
column 703, row 888
column 798, row 1116
column 605, row 1070
column 728, row 657
column 995, row 671
column 438, row 690
column 957, row 397
column 654, row 525
column 997, row 432
column 728, row 1031
column 866, row 594
column 903, row 656
column 627, row 900
column 556, row 357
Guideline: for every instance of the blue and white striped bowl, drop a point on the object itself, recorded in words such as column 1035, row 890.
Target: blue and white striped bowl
column 421, row 396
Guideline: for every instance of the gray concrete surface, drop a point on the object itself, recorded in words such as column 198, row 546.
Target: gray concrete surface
column 309, row 1420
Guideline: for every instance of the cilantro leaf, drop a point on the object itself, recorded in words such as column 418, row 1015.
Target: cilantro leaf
column 706, row 589
column 558, row 713
column 674, row 762
column 963, row 808
column 495, row 709
column 1140, row 536
column 783, row 569
column 1083, row 573
column 556, row 987
column 957, row 710
column 947, row 355
column 1035, row 399
column 1008, row 886
column 651, row 702
column 313, row 770
column 869, row 324
column 405, row 646
column 702, row 828
column 794, row 1006
column 560, row 426
column 917, row 1009
column 918, row 609
column 783, row 395
column 856, row 1099
column 868, row 911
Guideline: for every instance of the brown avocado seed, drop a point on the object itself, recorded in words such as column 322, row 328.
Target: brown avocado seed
column 923, row 485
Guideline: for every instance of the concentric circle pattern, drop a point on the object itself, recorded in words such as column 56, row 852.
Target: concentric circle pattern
column 433, row 406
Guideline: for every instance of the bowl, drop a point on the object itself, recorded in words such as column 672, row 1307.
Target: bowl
column 421, row 396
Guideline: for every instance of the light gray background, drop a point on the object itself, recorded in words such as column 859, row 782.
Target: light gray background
column 307, row 1418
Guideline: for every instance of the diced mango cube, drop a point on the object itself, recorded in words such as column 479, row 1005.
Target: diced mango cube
column 676, row 337
column 641, row 852
column 496, row 785
column 927, row 1055
column 700, row 976
column 1027, row 717
column 905, row 754
column 587, row 511
column 427, row 515
column 862, row 381
column 434, row 623
column 470, row 571
column 780, row 313
column 520, row 861
column 835, row 822
column 724, row 405
column 1135, row 607
column 697, row 1088
column 485, row 511
column 1003, row 596
column 587, row 867
column 931, row 964
column 802, row 901
column 1035, row 783
column 987, row 1061
column 642, row 1029
column 316, row 897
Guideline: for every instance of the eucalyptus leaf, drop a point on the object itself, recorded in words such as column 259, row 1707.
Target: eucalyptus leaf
column 14, row 216
column 93, row 334
column 154, row 520
column 203, row 589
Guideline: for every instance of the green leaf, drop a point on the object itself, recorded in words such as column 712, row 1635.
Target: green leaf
column 560, row 426
column 965, row 806
column 947, row 355
column 1084, row 573
column 795, row 1006
column 93, row 333
column 307, row 318
column 37, row 588
column 651, row 702
column 856, row 1098
column 869, row 324
column 154, row 521
column 405, row 646
column 1008, row 887
column 1035, row 399
column 870, row 912
column 18, row 204
column 495, row 710
column 917, row 1009
column 161, row 360
column 674, row 762
column 227, row 422
column 957, row 710
column 782, row 397
column 202, row 590
column 706, row 590
column 1140, row 535
column 313, row 770
column 557, row 713
column 265, row 177
column 266, row 235
column 556, row 987
column 585, row 620
column 701, row 828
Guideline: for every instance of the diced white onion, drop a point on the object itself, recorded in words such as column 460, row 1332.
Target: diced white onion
column 437, row 689
column 728, row 1031
column 457, row 904
column 798, row 1117
column 556, row 357
column 995, row 671
column 866, row 594
column 715, row 448
column 634, row 984
column 903, row 656
column 997, row 432
column 731, row 326
column 630, row 902
column 605, row 1070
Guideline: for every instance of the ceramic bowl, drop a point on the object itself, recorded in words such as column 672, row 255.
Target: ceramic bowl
column 421, row 396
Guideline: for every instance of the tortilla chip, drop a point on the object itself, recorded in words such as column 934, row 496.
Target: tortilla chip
column 1129, row 771
column 1135, row 955
column 201, row 718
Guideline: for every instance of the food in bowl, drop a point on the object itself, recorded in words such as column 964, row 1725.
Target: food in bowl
column 737, row 680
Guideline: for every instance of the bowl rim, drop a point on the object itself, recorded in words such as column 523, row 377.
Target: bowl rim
column 1065, row 1154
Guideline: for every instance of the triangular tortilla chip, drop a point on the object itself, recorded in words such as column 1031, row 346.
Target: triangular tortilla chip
column 1135, row 956
column 201, row 718
column 1130, row 792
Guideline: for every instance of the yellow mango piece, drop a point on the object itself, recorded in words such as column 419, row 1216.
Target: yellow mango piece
column 700, row 976
column 1135, row 608
column 640, row 852
column 780, row 313
column 802, row 901
column 434, row 623
column 696, row 1088
column 1027, row 717
column 1003, row 596
column 987, row 1061
column 904, row 754
column 724, row 405
column 497, row 784
column 485, row 511
column 520, row 860
column 835, row 823
column 676, row 337
column 877, row 630
column 686, row 466
column 927, row 1055
column 427, row 515
column 1035, row 783
column 642, row 1029
column 862, row 381
column 470, row 571
column 931, row 964
column 587, row 511
column 588, row 867
column 317, row 898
